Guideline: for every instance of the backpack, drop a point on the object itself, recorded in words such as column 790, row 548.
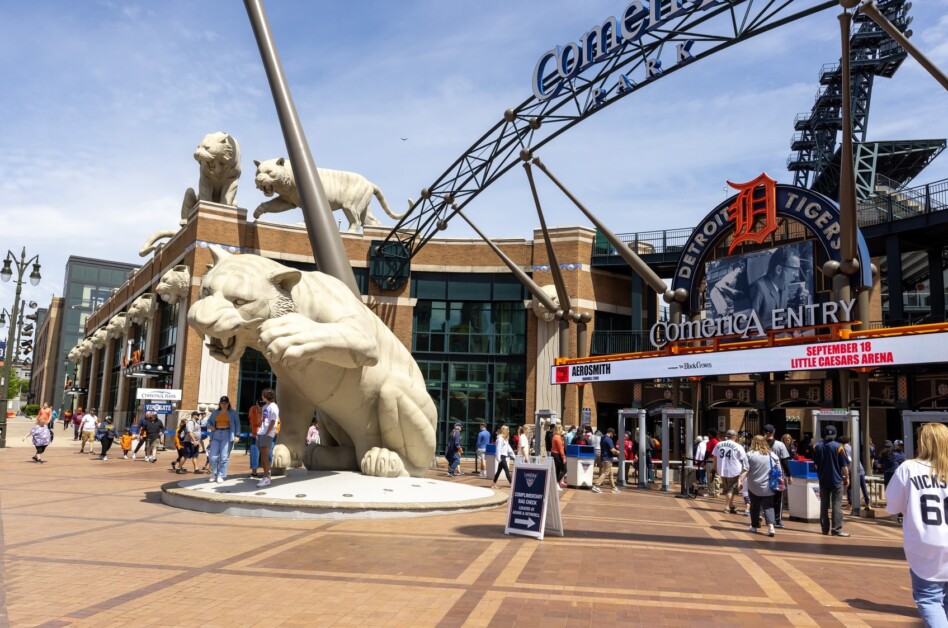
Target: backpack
column 183, row 433
column 776, row 480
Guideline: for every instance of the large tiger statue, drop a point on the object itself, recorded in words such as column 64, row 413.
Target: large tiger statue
column 219, row 157
column 329, row 353
column 348, row 191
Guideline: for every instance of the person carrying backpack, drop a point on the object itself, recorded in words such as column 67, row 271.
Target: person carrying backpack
column 106, row 437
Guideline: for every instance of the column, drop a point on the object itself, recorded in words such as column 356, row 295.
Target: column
column 107, row 382
column 936, row 282
column 893, row 255
column 93, row 369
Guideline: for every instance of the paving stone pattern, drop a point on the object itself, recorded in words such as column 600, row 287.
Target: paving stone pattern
column 88, row 543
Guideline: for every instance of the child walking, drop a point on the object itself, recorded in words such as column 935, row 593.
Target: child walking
column 126, row 443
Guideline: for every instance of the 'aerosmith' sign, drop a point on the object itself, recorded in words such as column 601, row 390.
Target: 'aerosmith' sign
column 817, row 213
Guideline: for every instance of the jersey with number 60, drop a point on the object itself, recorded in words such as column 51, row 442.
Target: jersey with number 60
column 923, row 502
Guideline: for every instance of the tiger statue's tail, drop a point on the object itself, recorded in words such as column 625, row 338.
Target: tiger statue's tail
column 152, row 244
column 378, row 194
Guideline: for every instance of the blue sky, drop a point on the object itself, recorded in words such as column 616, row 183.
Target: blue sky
column 103, row 103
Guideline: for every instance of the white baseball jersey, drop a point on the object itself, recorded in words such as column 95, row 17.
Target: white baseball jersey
column 923, row 502
column 731, row 458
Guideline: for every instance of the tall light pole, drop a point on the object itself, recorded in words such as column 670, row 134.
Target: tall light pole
column 6, row 273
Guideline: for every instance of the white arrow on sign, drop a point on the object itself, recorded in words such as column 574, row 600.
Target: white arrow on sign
column 525, row 522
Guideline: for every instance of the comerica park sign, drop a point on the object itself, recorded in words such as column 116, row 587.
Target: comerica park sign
column 748, row 324
column 639, row 18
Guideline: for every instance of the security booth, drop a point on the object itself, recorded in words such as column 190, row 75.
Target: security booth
column 804, row 492
column 580, row 465
column 541, row 418
column 847, row 424
column 490, row 459
column 626, row 418
column 911, row 422
column 687, row 417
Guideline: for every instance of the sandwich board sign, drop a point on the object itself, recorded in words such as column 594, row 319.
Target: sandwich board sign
column 534, row 501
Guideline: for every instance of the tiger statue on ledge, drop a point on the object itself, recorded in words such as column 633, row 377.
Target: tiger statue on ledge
column 219, row 156
column 347, row 191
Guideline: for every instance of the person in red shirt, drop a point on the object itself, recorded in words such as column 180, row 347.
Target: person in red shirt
column 629, row 456
column 710, row 465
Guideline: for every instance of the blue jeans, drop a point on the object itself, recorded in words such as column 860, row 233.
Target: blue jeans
column 453, row 464
column 932, row 600
column 218, row 452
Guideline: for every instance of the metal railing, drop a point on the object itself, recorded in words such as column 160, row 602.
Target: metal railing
column 889, row 204
column 646, row 242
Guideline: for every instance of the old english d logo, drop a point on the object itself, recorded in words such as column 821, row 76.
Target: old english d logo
column 562, row 375
column 755, row 200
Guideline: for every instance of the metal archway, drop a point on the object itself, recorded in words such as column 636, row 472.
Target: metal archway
column 600, row 75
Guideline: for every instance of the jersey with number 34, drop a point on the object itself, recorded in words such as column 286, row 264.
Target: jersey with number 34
column 731, row 458
column 923, row 501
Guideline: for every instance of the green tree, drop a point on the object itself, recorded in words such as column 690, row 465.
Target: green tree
column 16, row 386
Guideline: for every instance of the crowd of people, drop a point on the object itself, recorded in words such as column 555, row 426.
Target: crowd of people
column 212, row 434
column 756, row 466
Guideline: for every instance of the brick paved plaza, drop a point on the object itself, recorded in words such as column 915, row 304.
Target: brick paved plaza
column 89, row 543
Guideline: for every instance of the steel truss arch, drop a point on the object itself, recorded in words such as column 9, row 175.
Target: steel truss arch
column 620, row 72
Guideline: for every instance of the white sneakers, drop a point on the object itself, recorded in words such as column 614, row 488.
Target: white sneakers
column 212, row 479
column 220, row 480
column 265, row 482
column 134, row 456
column 770, row 530
column 596, row 489
column 104, row 458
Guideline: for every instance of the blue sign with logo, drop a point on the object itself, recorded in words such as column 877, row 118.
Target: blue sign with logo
column 817, row 213
column 3, row 350
column 159, row 408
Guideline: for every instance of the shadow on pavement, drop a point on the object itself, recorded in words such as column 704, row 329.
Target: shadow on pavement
column 869, row 605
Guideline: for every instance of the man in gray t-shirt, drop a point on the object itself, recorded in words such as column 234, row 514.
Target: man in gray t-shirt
column 783, row 454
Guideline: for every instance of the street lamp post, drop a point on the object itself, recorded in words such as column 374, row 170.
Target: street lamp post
column 6, row 273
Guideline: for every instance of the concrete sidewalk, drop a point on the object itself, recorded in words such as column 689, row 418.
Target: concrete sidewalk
column 88, row 543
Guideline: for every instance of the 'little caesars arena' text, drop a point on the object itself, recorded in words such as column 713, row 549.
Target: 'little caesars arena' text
column 589, row 372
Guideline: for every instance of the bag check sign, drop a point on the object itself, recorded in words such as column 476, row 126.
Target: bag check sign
column 534, row 501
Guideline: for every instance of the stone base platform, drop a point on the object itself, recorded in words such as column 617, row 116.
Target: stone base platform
column 302, row 494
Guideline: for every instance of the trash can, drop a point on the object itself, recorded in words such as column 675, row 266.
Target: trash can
column 490, row 458
column 580, row 464
column 804, row 493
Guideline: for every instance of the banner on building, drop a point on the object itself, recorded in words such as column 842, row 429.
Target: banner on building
column 860, row 353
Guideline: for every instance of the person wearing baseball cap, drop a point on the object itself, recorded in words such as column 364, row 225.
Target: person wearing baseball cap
column 224, row 426
column 832, row 468
column 890, row 458
column 453, row 451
